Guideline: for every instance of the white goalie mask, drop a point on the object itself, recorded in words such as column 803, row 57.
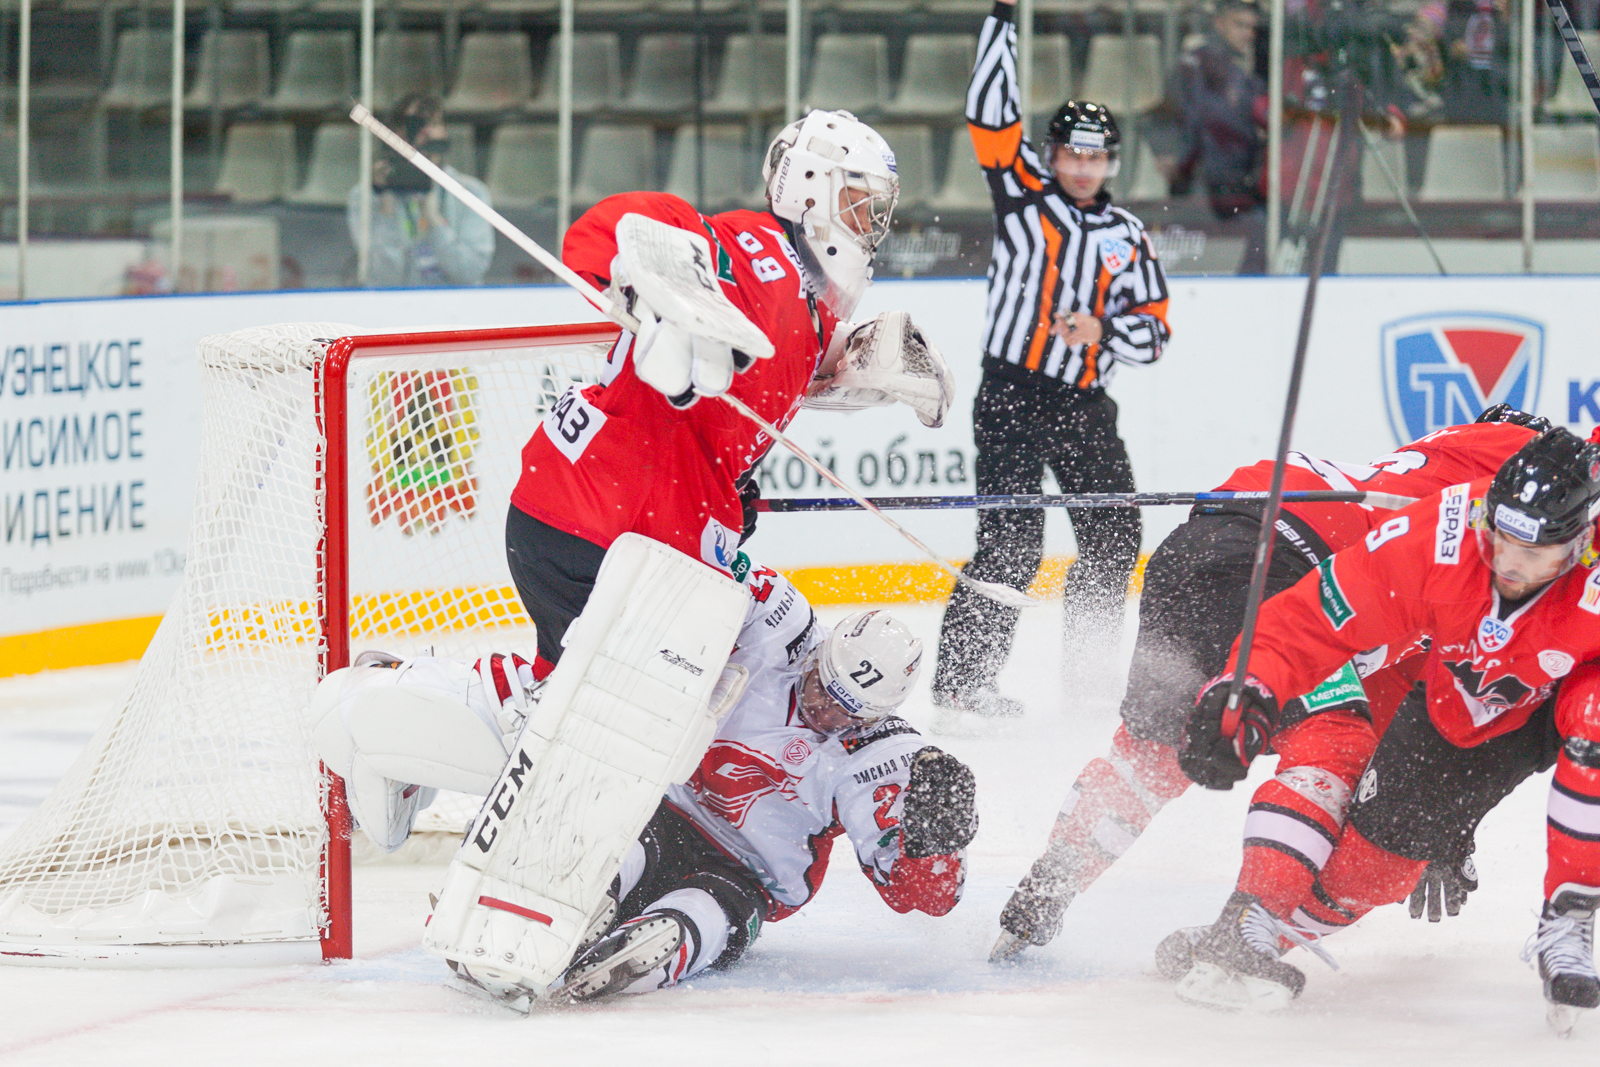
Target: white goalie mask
column 822, row 173
column 867, row 665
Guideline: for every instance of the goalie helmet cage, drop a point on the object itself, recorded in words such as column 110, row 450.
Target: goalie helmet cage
column 352, row 490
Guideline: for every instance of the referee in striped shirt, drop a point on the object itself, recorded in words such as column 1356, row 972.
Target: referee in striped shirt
column 1074, row 289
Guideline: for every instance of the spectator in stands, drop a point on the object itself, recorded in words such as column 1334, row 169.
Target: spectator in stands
column 421, row 235
column 1419, row 60
column 1223, row 102
column 1477, row 62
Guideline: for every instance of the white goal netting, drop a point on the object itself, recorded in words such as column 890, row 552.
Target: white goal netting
column 195, row 815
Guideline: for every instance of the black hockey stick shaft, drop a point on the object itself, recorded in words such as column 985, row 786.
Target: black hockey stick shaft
column 1350, row 114
column 994, row 501
column 1580, row 55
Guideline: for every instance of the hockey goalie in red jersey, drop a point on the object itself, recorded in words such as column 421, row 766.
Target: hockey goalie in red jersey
column 1191, row 610
column 1498, row 576
column 642, row 451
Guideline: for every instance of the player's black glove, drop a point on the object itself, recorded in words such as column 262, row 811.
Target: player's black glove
column 1444, row 885
column 1506, row 413
column 1219, row 744
column 749, row 493
column 938, row 817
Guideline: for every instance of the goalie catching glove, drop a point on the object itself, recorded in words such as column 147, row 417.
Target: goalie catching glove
column 1219, row 743
column 691, row 339
column 880, row 362
column 939, row 817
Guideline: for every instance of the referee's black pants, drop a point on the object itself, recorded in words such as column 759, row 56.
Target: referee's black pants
column 1020, row 430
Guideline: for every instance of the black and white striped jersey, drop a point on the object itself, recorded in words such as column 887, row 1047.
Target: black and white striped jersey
column 1051, row 256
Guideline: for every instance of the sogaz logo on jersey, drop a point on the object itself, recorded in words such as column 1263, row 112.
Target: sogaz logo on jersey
column 1444, row 369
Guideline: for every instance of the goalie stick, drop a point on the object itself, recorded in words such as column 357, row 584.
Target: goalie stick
column 1387, row 501
column 1001, row 594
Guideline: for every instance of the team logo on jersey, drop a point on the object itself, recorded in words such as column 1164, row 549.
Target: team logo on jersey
column 732, row 777
column 1444, row 369
column 796, row 751
column 1589, row 599
column 1115, row 253
column 1556, row 663
column 1486, row 700
column 1369, row 786
column 719, row 545
column 1451, row 532
column 1493, row 634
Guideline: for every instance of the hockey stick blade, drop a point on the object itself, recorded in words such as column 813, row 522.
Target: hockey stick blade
column 1001, row 594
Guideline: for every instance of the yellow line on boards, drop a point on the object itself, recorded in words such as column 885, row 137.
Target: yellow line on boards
column 118, row 640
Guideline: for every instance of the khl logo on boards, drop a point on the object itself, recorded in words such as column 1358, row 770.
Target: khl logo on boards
column 1443, row 369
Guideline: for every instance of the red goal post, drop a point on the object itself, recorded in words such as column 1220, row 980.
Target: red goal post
column 352, row 491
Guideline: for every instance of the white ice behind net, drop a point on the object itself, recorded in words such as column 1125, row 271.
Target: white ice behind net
column 194, row 814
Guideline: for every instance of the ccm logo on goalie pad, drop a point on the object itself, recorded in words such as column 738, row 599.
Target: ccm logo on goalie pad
column 498, row 807
column 573, row 423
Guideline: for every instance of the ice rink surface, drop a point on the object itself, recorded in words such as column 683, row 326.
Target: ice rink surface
column 847, row 980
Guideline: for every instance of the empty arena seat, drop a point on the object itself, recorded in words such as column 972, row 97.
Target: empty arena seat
column 964, row 187
column 494, row 71
column 406, row 62
column 258, row 162
column 1566, row 162
column 522, row 168
column 849, row 70
column 743, row 67
column 1123, row 74
column 318, row 70
column 1464, row 163
column 241, row 64
column 663, row 73
column 596, row 73
column 335, row 165
column 1052, row 71
column 1375, row 185
column 463, row 152
column 933, row 80
column 1140, row 176
column 913, row 154
column 1571, row 98
column 141, row 75
column 729, row 176
column 616, row 159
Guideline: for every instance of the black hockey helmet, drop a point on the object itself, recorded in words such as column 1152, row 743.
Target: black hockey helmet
column 1503, row 412
column 1548, row 492
column 1081, row 124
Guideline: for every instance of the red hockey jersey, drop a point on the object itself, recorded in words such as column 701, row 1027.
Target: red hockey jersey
column 616, row 457
column 1419, row 573
column 1425, row 466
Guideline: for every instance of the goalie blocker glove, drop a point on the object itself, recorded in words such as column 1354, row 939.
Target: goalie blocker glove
column 1218, row 743
column 939, row 817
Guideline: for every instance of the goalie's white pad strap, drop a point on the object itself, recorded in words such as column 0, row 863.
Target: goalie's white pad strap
column 626, row 713
column 675, row 272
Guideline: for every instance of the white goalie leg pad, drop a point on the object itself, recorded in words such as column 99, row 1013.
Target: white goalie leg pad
column 626, row 713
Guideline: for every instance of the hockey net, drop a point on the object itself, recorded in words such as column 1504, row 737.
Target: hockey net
column 352, row 494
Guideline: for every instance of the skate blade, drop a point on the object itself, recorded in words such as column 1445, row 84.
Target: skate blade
column 517, row 998
column 1007, row 947
column 1209, row 986
column 1562, row 1018
column 649, row 946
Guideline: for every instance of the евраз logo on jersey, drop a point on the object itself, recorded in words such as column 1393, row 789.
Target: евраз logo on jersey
column 1445, row 369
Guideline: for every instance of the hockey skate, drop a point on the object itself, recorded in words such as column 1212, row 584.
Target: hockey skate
column 1175, row 953
column 1034, row 914
column 655, row 941
column 1564, row 945
column 1237, row 962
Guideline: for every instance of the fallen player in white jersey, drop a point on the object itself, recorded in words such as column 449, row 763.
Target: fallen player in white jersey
column 811, row 750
